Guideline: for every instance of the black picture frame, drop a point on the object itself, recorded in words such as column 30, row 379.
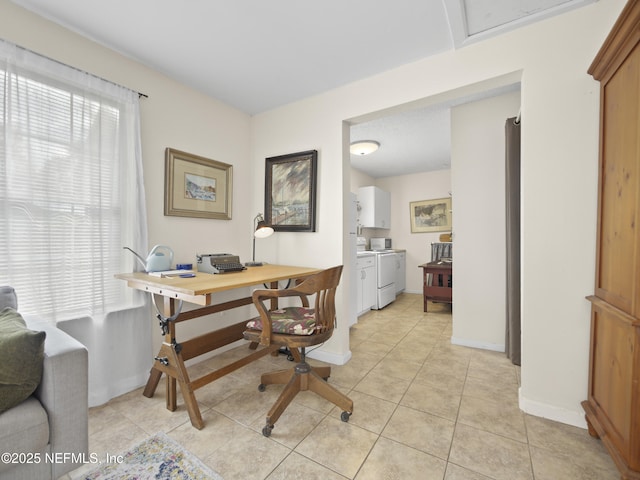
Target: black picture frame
column 290, row 192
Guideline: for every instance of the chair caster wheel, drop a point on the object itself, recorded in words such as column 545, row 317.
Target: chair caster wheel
column 261, row 388
column 344, row 416
column 290, row 358
column 266, row 430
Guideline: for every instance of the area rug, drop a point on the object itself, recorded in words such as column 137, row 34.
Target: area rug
column 157, row 457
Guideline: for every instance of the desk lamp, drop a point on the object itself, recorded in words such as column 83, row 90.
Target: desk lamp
column 262, row 230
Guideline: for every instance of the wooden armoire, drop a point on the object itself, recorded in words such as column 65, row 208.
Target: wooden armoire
column 613, row 404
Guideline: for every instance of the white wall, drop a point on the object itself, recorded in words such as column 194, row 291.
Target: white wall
column 559, row 171
column 479, row 229
column 360, row 179
column 321, row 131
column 173, row 116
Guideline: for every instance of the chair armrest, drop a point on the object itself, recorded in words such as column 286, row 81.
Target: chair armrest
column 260, row 296
column 63, row 391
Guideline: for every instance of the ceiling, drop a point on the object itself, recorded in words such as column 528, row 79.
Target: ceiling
column 418, row 139
column 257, row 55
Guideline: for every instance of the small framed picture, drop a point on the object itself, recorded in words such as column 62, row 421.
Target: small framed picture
column 431, row 215
column 196, row 186
column 290, row 192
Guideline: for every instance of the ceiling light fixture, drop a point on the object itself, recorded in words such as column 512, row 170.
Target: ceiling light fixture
column 364, row 147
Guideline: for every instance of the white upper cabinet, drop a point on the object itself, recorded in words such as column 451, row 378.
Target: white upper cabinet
column 375, row 207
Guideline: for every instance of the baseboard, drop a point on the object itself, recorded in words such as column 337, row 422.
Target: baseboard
column 551, row 412
column 464, row 342
column 417, row 292
column 531, row 407
column 330, row 357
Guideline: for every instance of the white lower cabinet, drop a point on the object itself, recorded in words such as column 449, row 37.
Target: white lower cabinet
column 401, row 277
column 366, row 280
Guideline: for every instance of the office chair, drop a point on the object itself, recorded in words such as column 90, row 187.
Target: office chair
column 298, row 328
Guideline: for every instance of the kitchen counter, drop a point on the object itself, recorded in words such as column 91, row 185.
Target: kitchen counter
column 390, row 250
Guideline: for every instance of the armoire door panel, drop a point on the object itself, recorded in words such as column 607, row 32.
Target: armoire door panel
column 618, row 256
column 612, row 386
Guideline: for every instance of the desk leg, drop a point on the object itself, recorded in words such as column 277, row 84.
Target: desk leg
column 170, row 353
column 155, row 374
column 169, row 361
column 425, row 284
column 152, row 382
column 177, row 375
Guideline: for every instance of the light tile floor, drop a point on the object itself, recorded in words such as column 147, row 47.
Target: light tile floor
column 423, row 408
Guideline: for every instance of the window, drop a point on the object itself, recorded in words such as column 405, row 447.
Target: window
column 71, row 190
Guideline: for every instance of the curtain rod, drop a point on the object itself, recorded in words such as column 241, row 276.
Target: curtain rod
column 140, row 94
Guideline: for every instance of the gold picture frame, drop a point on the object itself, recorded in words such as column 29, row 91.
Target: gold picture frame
column 196, row 186
column 431, row 215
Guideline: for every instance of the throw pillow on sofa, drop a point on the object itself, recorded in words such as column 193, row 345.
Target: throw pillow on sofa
column 21, row 358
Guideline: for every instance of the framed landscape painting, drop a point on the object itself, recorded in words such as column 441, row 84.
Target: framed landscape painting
column 290, row 192
column 431, row 215
column 196, row 186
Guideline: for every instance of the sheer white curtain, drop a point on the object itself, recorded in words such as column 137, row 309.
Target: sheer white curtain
column 71, row 196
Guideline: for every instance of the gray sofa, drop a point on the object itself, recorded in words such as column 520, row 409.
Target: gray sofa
column 48, row 432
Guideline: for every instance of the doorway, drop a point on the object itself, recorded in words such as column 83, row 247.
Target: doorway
column 469, row 199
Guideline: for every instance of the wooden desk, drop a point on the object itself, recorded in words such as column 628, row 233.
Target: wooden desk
column 440, row 287
column 168, row 295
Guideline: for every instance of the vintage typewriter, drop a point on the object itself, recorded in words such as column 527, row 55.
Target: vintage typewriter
column 219, row 263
